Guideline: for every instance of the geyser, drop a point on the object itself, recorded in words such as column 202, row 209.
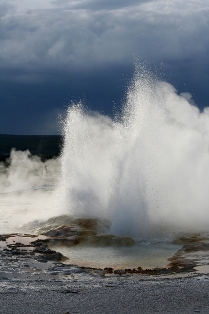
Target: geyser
column 147, row 171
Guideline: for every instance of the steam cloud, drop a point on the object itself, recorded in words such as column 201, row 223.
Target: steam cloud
column 26, row 171
column 27, row 189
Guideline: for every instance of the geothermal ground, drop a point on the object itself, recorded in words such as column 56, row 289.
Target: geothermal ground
column 36, row 279
column 34, row 284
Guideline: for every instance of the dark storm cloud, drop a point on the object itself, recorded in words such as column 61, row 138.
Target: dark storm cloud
column 54, row 35
column 35, row 107
column 61, row 46
column 98, row 5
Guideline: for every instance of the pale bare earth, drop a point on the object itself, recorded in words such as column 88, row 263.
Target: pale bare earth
column 71, row 290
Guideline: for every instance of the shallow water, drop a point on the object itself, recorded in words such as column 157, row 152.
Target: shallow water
column 145, row 255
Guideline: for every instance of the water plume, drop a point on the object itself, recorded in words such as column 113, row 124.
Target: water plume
column 147, row 171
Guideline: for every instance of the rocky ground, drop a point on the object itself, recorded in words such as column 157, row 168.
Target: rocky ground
column 35, row 279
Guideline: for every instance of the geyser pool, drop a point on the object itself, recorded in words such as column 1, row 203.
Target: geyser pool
column 143, row 254
column 146, row 170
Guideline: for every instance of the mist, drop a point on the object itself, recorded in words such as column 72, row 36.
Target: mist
column 27, row 190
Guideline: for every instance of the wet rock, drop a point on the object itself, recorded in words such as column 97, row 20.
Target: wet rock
column 95, row 224
column 87, row 223
column 61, row 232
column 108, row 270
column 119, row 272
column 38, row 243
column 63, row 235
column 47, row 253
column 43, row 249
column 4, row 237
column 49, row 256
column 98, row 225
column 196, row 247
column 189, row 238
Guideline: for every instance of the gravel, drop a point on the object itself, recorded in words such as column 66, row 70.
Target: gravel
column 91, row 294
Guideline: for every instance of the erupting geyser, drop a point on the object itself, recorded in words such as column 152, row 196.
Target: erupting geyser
column 147, row 171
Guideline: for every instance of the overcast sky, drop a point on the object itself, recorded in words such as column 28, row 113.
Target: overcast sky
column 53, row 52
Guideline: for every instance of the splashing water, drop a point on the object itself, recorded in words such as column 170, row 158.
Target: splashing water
column 146, row 172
